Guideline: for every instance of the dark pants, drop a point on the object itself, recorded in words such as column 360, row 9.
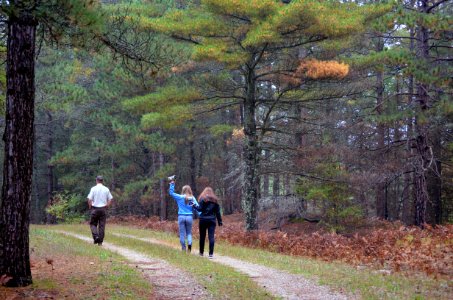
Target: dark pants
column 97, row 223
column 210, row 226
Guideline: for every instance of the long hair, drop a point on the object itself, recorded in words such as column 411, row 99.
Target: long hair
column 208, row 195
column 186, row 190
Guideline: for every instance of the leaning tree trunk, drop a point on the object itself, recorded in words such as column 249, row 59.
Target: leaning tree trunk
column 434, row 182
column 18, row 161
column 251, row 155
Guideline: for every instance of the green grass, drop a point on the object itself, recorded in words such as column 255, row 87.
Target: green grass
column 107, row 278
column 340, row 276
column 221, row 281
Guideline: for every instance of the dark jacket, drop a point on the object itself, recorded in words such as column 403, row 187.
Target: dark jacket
column 209, row 211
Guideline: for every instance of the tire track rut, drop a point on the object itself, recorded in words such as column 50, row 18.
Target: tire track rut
column 169, row 281
column 278, row 283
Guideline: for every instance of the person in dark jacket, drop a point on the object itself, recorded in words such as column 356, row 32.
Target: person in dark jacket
column 209, row 211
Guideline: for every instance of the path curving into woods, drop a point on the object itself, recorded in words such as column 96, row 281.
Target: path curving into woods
column 279, row 283
column 168, row 281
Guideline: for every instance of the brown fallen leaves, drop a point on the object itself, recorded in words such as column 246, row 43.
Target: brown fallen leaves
column 403, row 249
column 406, row 249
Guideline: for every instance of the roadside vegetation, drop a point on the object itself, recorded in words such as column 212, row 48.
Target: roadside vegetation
column 65, row 267
column 370, row 283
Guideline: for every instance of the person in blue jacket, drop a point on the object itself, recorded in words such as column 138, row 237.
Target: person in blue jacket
column 209, row 211
column 185, row 200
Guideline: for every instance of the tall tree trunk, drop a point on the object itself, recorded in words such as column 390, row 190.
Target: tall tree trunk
column 288, row 188
column 408, row 214
column 155, row 203
column 251, row 154
column 276, row 185
column 434, row 183
column 395, row 213
column 193, row 161
column 265, row 192
column 50, row 180
column 49, row 219
column 201, row 160
column 163, row 203
column 18, row 161
column 424, row 152
column 112, row 168
column 381, row 185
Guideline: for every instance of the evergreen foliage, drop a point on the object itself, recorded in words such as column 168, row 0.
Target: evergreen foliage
column 262, row 100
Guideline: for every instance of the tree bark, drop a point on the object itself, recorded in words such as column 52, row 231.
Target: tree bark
column 408, row 214
column 193, row 161
column 251, row 154
column 163, row 203
column 424, row 152
column 396, row 200
column 18, row 161
column 434, row 183
column 265, row 192
column 381, row 201
column 276, row 185
column 50, row 180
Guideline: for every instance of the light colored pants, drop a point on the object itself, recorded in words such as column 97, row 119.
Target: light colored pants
column 185, row 229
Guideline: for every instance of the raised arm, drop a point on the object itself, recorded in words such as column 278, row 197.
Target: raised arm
column 172, row 193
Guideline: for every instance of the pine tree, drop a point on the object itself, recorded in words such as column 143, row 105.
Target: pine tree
column 246, row 37
column 23, row 18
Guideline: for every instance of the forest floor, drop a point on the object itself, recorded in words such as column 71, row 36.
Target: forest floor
column 65, row 268
column 129, row 262
column 386, row 246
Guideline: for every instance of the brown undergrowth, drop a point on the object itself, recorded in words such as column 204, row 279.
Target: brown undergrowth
column 390, row 246
column 62, row 269
column 55, row 279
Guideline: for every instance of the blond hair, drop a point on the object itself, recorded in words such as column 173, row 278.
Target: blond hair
column 187, row 191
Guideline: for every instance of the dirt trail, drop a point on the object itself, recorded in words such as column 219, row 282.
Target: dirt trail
column 279, row 283
column 169, row 281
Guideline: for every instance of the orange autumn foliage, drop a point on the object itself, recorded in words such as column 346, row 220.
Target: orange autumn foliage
column 398, row 248
column 317, row 69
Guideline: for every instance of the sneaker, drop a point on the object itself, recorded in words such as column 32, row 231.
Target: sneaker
column 211, row 256
column 201, row 254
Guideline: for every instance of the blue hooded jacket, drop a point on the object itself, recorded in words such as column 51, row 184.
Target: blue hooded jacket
column 183, row 208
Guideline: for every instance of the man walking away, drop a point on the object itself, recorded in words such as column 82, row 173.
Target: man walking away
column 99, row 199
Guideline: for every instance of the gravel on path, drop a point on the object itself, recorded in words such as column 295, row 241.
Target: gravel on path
column 279, row 283
column 168, row 281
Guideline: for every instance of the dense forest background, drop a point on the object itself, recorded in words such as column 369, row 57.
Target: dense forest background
column 351, row 122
